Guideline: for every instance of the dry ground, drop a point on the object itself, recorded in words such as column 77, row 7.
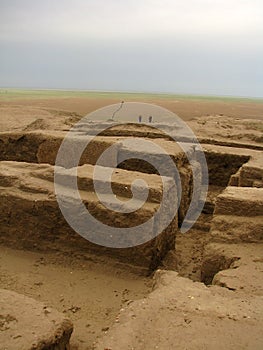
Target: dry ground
column 89, row 294
column 220, row 118
column 186, row 107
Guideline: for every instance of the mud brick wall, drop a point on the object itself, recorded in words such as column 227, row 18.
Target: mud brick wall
column 31, row 218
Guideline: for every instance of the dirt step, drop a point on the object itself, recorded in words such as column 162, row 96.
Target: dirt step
column 166, row 131
column 251, row 173
column 42, row 147
column 240, row 201
column 234, row 229
column 237, row 267
column 31, row 216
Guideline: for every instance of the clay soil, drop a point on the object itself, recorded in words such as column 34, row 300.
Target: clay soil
column 226, row 119
column 186, row 107
column 91, row 295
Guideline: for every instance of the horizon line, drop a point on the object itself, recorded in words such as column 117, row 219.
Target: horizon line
column 140, row 92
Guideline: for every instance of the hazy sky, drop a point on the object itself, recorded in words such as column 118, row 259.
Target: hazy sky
column 181, row 46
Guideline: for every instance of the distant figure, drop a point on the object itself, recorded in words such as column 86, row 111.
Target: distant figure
column 117, row 110
column 140, row 118
column 150, row 119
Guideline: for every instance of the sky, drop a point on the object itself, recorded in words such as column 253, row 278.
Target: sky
column 172, row 46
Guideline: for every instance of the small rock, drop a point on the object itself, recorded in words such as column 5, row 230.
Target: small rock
column 186, row 320
column 38, row 284
column 105, row 329
column 17, row 336
column 47, row 310
column 74, row 309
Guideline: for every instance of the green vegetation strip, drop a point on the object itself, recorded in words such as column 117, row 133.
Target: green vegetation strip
column 16, row 94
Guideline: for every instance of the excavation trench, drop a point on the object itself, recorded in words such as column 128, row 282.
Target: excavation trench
column 53, row 231
column 86, row 282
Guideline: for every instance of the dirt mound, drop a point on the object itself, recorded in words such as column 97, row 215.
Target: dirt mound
column 221, row 127
column 29, row 118
column 38, row 124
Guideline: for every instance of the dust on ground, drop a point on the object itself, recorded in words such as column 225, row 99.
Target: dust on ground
column 91, row 295
column 231, row 120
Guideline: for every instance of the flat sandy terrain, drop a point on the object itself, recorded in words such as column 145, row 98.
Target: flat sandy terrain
column 186, row 107
column 231, row 119
column 89, row 294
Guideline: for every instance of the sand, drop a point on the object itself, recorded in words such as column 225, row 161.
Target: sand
column 93, row 294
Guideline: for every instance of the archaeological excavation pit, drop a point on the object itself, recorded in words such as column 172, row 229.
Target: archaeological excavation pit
column 27, row 160
column 46, row 246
